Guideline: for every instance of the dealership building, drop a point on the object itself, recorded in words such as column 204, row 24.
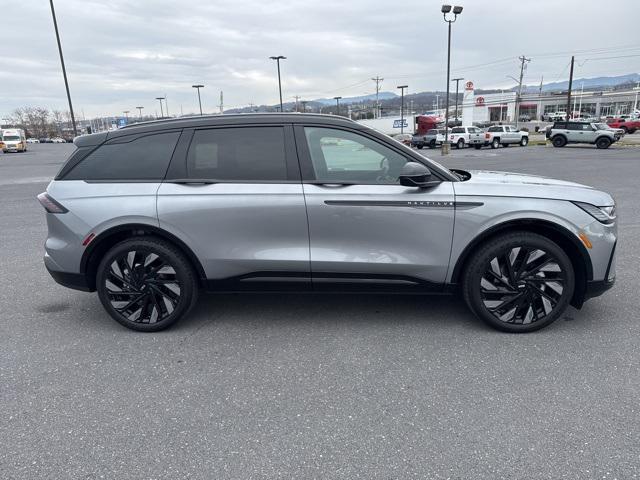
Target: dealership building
column 501, row 107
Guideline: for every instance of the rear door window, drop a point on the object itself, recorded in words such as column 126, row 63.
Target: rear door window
column 458, row 130
column 140, row 158
column 238, row 154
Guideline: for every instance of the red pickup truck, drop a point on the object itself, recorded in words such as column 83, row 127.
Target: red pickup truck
column 629, row 126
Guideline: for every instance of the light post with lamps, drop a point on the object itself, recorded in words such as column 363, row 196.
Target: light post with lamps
column 277, row 59
column 198, row 87
column 140, row 112
column 402, row 87
column 337, row 99
column 161, row 111
column 457, row 10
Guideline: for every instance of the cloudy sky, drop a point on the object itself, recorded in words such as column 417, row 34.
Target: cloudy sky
column 124, row 53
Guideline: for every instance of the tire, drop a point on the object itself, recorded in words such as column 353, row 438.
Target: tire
column 460, row 144
column 524, row 141
column 419, row 147
column 519, row 282
column 625, row 130
column 559, row 141
column 432, row 144
column 505, row 145
column 495, row 143
column 477, row 147
column 146, row 288
column 603, row 142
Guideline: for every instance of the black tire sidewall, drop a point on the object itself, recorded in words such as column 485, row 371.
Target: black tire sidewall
column 558, row 142
column 477, row 266
column 603, row 143
column 184, row 272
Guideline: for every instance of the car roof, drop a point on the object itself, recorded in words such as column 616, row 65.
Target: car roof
column 217, row 120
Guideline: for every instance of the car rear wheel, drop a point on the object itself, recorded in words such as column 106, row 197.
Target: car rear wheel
column 603, row 142
column 419, row 147
column 559, row 141
column 524, row 142
column 495, row 143
column 519, row 282
column 432, row 144
column 460, row 144
column 146, row 284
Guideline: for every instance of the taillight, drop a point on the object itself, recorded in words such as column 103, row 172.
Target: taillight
column 486, row 135
column 50, row 205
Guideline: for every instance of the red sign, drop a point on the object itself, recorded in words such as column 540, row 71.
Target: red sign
column 469, row 85
column 480, row 101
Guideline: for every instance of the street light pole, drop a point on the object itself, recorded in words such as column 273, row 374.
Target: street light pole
column 457, row 10
column 140, row 112
column 402, row 87
column 457, row 80
column 64, row 70
column 337, row 99
column 277, row 59
column 198, row 87
column 161, row 111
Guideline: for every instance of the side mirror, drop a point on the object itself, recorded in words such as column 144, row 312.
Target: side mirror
column 415, row 174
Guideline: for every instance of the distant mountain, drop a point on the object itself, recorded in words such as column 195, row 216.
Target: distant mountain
column 589, row 83
column 361, row 98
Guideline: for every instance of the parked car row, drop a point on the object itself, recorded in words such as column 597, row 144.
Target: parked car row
column 460, row 137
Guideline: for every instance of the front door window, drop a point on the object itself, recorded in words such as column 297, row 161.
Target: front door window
column 339, row 156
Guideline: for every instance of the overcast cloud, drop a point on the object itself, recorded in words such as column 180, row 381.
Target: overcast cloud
column 124, row 53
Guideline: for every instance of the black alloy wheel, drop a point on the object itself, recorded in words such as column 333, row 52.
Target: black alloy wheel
column 146, row 284
column 520, row 282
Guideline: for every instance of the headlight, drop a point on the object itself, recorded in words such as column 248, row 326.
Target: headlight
column 604, row 215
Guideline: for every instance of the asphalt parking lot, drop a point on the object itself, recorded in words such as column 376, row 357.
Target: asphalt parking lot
column 327, row 386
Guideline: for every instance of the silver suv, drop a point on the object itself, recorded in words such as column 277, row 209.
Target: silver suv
column 562, row 133
column 151, row 214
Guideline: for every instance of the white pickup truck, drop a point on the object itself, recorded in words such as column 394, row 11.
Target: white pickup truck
column 497, row 135
column 460, row 136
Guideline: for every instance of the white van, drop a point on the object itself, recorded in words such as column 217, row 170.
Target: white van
column 13, row 140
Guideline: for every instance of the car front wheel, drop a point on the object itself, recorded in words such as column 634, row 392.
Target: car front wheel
column 524, row 142
column 519, row 282
column 559, row 141
column 146, row 284
column 603, row 142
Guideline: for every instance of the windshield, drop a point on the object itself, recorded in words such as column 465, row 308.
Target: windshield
column 11, row 137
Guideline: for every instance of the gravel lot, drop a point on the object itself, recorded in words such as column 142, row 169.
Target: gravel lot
column 303, row 386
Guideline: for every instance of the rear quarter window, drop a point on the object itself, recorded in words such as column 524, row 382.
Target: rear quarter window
column 141, row 158
column 458, row 130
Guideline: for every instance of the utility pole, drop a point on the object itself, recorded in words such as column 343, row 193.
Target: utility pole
column 569, row 91
column 221, row 103
column 304, row 106
column 540, row 113
column 64, row 70
column 166, row 105
column 523, row 60
column 378, row 81
column 140, row 112
column 297, row 97
column 457, row 80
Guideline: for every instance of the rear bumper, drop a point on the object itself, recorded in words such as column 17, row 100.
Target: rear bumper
column 76, row 281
